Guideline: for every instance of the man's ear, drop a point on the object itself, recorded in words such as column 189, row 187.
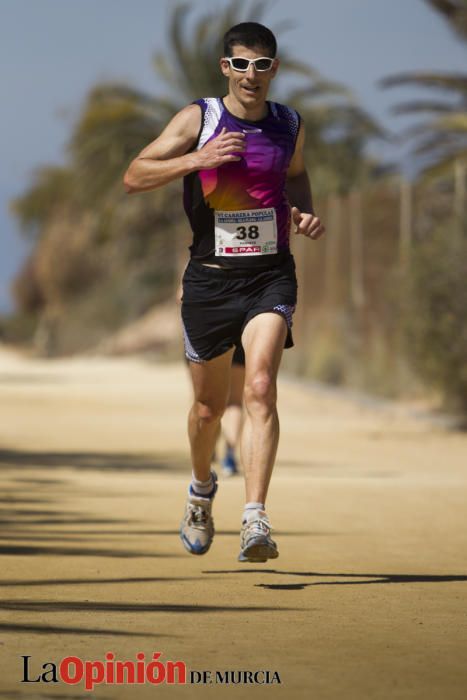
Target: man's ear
column 275, row 67
column 225, row 68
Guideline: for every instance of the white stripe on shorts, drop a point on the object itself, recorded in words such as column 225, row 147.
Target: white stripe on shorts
column 190, row 352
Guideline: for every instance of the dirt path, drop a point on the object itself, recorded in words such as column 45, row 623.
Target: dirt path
column 368, row 599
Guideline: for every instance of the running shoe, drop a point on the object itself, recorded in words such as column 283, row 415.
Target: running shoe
column 229, row 463
column 256, row 544
column 197, row 526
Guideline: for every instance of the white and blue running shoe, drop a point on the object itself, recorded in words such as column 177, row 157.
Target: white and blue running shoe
column 256, row 544
column 197, row 526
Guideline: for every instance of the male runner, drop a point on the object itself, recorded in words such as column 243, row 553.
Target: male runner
column 241, row 158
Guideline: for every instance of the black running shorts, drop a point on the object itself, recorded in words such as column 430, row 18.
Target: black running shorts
column 218, row 303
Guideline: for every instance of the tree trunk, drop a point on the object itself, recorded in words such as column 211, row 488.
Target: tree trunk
column 332, row 241
column 405, row 224
column 357, row 289
column 459, row 189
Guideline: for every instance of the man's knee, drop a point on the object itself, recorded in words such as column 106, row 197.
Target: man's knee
column 208, row 412
column 260, row 392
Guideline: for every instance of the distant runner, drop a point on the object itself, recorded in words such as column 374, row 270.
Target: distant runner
column 232, row 419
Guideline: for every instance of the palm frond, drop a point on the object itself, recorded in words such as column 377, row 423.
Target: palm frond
column 442, row 134
column 108, row 133
column 284, row 25
column 437, row 143
column 421, row 106
column 454, row 122
column 448, row 82
column 257, row 10
column 317, row 90
column 443, row 167
column 455, row 12
column 291, row 65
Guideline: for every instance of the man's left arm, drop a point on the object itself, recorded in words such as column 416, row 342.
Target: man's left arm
column 299, row 193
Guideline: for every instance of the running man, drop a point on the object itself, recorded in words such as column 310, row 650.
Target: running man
column 245, row 182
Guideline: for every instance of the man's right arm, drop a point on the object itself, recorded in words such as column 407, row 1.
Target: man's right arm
column 169, row 157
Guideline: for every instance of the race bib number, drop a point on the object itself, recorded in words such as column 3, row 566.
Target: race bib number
column 247, row 232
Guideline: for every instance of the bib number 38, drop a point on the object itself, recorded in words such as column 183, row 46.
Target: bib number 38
column 244, row 233
column 247, row 232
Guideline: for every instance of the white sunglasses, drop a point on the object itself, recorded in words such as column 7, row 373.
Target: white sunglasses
column 242, row 64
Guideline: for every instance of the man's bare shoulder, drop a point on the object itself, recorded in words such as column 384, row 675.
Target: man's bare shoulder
column 188, row 120
column 178, row 137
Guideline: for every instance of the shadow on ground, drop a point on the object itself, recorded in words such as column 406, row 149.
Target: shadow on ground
column 99, row 581
column 371, row 579
column 30, row 530
column 60, row 606
column 49, row 629
column 100, row 461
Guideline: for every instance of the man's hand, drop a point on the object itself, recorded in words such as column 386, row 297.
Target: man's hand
column 220, row 150
column 307, row 224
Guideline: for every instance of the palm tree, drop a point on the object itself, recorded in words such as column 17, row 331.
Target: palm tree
column 441, row 139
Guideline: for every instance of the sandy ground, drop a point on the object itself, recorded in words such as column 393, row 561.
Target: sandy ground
column 368, row 599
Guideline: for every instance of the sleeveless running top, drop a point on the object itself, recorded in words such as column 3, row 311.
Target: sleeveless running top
column 239, row 212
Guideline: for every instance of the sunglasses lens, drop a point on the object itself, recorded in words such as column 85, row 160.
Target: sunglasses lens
column 263, row 64
column 240, row 63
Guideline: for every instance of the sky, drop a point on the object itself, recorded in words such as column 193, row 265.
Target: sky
column 53, row 51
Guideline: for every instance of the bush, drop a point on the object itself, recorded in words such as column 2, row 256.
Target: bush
column 26, row 288
column 18, row 329
column 436, row 312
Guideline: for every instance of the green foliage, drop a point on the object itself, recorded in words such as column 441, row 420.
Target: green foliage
column 19, row 328
column 51, row 186
column 116, row 122
column 436, row 311
column 27, row 290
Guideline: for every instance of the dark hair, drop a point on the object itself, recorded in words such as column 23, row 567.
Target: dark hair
column 251, row 35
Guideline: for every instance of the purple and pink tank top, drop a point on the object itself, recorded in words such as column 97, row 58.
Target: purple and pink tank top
column 239, row 212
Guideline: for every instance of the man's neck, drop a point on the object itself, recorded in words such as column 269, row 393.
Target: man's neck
column 239, row 110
